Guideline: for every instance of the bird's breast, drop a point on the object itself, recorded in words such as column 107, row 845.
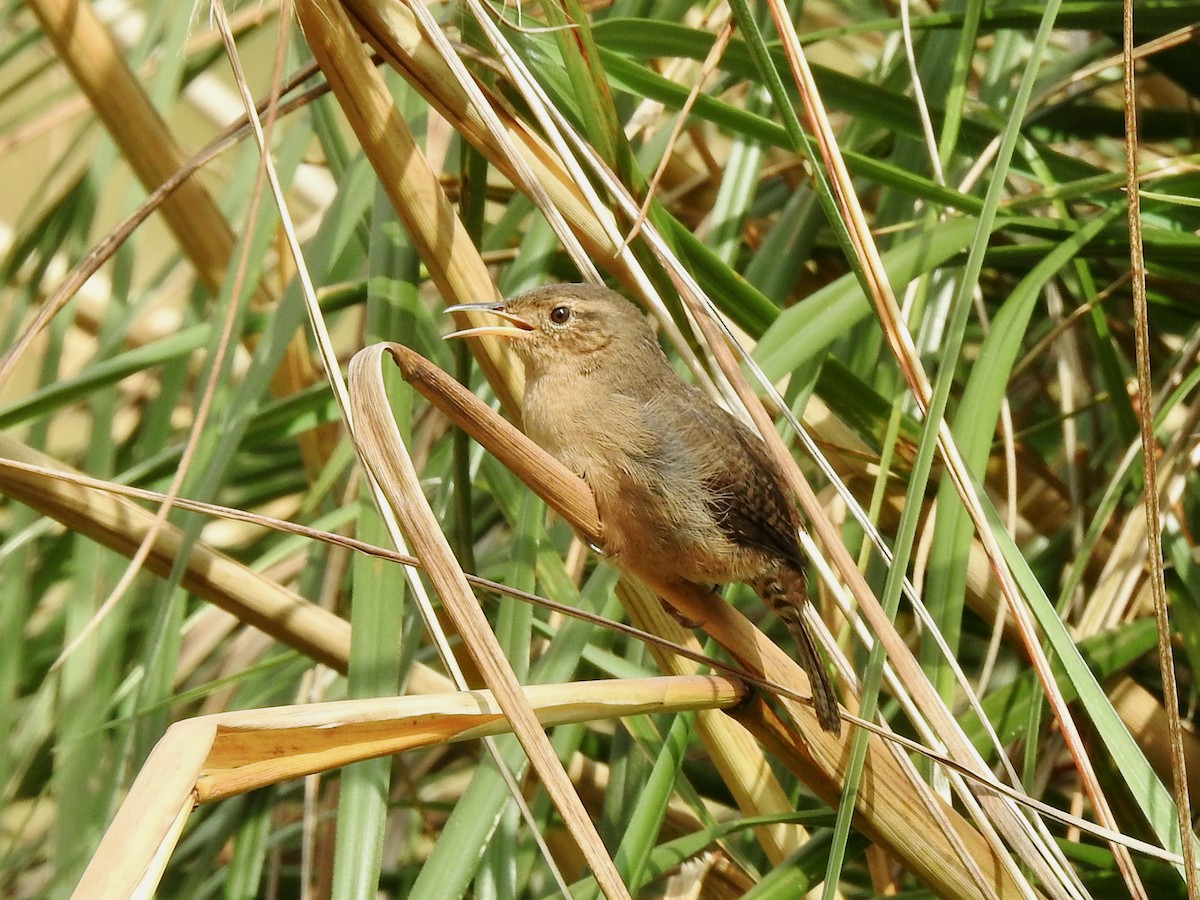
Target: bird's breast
column 586, row 427
column 648, row 473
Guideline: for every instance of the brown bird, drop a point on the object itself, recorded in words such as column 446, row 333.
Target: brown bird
column 683, row 488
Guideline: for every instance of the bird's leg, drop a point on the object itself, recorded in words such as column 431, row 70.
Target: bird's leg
column 784, row 590
column 679, row 617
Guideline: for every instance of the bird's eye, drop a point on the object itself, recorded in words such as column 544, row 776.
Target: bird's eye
column 560, row 314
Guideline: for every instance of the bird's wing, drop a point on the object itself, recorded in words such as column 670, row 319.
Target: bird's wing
column 749, row 502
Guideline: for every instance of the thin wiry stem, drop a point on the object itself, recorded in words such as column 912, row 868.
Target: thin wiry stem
column 1166, row 659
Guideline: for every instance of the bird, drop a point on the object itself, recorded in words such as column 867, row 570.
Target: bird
column 683, row 489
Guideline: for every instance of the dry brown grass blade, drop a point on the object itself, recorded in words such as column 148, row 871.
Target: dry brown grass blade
column 888, row 813
column 102, row 250
column 412, row 186
column 392, row 30
column 897, row 815
column 121, row 525
column 731, row 748
column 383, row 452
column 206, row 759
column 913, row 824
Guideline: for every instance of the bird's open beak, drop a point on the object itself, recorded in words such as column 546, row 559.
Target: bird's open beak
column 518, row 328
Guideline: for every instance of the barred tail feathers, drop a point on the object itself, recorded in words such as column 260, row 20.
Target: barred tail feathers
column 786, row 594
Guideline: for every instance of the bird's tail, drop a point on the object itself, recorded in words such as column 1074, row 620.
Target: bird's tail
column 786, row 593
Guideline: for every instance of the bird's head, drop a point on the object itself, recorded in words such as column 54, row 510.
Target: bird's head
column 566, row 324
